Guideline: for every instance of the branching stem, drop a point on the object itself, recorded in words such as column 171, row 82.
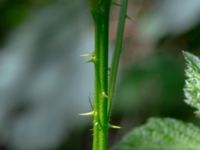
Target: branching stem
column 100, row 10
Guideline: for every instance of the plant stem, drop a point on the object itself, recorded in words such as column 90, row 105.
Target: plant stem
column 96, row 128
column 103, row 89
column 100, row 11
column 117, row 50
column 104, row 101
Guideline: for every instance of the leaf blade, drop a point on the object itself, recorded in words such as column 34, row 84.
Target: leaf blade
column 162, row 134
column 192, row 83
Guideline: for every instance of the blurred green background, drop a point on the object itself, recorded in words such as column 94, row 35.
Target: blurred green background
column 45, row 84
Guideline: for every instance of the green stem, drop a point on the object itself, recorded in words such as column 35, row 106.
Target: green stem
column 104, row 77
column 104, row 89
column 96, row 128
column 100, row 10
column 117, row 50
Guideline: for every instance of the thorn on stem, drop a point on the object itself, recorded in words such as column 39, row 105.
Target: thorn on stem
column 114, row 126
column 90, row 101
column 104, row 95
column 129, row 18
column 96, row 124
column 87, row 114
column 93, row 60
column 88, row 55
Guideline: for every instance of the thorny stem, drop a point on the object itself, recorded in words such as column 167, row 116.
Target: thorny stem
column 100, row 10
column 96, row 119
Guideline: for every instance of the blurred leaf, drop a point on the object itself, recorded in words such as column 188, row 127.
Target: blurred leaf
column 192, row 86
column 153, row 86
column 162, row 134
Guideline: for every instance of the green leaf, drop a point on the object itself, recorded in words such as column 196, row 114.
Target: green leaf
column 162, row 134
column 192, row 84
